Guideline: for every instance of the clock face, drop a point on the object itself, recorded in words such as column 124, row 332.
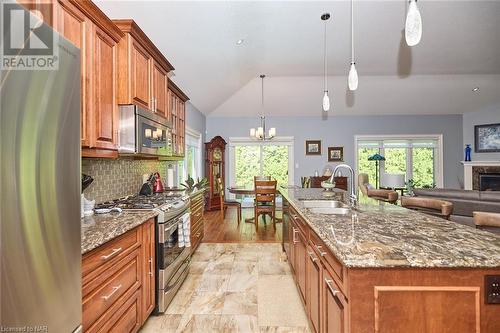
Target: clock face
column 217, row 154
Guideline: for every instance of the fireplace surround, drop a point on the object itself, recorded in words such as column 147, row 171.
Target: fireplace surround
column 473, row 169
column 484, row 177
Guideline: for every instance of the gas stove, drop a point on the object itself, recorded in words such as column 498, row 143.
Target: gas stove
column 168, row 204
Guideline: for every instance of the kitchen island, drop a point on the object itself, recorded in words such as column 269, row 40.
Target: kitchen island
column 383, row 268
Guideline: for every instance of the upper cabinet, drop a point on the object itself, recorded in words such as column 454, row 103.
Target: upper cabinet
column 177, row 114
column 86, row 26
column 142, row 70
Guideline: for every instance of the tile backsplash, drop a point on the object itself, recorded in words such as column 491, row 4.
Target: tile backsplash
column 120, row 177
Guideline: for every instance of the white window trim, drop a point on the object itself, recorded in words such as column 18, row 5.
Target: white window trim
column 197, row 135
column 438, row 137
column 245, row 141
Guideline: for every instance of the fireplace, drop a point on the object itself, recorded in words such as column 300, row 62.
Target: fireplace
column 484, row 178
column 489, row 182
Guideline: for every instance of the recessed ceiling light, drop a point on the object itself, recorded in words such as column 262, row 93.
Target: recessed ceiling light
column 475, row 89
column 239, row 41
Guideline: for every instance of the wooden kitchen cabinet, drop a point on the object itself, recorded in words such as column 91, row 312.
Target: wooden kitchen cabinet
column 142, row 70
column 300, row 259
column 333, row 312
column 177, row 111
column 314, row 271
column 197, row 207
column 149, row 257
column 86, row 26
column 118, row 282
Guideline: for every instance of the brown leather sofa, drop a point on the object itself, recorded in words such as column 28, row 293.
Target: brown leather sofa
column 465, row 202
column 379, row 194
column 430, row 206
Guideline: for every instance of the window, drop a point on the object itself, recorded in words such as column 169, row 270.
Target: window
column 191, row 165
column 249, row 158
column 417, row 157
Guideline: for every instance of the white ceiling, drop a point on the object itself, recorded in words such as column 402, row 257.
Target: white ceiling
column 460, row 49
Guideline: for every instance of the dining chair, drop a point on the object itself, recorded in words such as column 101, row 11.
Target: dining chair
column 261, row 178
column 265, row 200
column 226, row 203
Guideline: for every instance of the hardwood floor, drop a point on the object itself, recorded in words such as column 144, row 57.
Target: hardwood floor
column 228, row 230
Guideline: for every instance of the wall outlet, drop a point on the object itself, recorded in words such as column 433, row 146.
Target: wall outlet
column 492, row 289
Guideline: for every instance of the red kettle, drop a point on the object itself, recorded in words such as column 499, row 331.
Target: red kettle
column 158, row 185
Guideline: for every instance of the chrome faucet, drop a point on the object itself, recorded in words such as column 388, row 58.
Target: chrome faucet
column 352, row 195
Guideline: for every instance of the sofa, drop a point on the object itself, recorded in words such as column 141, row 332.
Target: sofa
column 464, row 202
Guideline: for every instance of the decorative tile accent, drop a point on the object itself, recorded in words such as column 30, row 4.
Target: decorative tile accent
column 118, row 178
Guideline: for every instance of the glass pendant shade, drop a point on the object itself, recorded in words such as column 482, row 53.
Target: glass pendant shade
column 326, row 102
column 272, row 132
column 260, row 132
column 252, row 132
column 413, row 26
column 352, row 79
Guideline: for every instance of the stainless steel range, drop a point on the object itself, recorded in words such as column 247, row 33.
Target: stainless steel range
column 172, row 261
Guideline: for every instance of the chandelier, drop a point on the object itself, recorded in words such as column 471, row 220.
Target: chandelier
column 259, row 133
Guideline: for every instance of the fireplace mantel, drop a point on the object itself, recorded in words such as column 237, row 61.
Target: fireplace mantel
column 468, row 170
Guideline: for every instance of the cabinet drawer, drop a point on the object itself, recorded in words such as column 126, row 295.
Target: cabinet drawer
column 196, row 205
column 299, row 222
column 126, row 277
column 112, row 251
column 125, row 317
column 328, row 258
column 196, row 217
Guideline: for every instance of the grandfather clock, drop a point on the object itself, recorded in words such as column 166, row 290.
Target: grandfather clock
column 214, row 168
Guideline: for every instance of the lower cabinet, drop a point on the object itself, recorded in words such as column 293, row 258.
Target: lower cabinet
column 334, row 304
column 118, row 285
column 314, row 271
column 197, row 208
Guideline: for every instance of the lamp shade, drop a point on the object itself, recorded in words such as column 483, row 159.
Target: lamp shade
column 392, row 180
column 376, row 157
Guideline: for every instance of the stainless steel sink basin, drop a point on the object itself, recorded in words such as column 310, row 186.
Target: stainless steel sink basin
column 323, row 204
column 330, row 210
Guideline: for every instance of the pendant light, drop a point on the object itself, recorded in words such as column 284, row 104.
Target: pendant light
column 352, row 79
column 260, row 132
column 413, row 26
column 326, row 100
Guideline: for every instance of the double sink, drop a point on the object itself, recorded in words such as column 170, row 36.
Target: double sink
column 327, row 207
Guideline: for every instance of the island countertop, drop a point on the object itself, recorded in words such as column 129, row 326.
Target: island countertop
column 101, row 228
column 386, row 235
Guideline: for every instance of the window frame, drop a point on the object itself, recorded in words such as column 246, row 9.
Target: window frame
column 438, row 160
column 245, row 141
column 199, row 156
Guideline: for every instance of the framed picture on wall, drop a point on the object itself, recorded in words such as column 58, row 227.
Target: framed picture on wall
column 313, row 147
column 487, row 138
column 335, row 154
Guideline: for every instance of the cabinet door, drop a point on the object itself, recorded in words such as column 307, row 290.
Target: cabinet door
column 334, row 306
column 300, row 263
column 313, row 288
column 148, row 282
column 105, row 113
column 75, row 27
column 141, row 75
column 160, row 90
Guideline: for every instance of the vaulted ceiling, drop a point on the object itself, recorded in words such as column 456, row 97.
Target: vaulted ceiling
column 460, row 49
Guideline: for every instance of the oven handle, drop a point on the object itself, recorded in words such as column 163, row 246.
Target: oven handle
column 163, row 231
column 186, row 262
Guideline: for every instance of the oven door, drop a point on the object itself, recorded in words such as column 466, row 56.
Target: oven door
column 166, row 294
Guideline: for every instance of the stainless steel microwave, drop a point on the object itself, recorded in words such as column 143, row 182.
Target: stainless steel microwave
column 144, row 133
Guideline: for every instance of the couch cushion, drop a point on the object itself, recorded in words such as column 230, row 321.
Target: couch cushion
column 447, row 193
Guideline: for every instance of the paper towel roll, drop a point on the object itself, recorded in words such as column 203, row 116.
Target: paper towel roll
column 170, row 177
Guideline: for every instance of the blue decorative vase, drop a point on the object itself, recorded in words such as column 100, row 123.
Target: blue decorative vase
column 468, row 150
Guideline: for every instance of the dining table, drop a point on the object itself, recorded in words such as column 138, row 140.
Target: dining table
column 246, row 191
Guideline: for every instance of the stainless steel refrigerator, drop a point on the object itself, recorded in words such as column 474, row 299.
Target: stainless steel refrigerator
column 40, row 196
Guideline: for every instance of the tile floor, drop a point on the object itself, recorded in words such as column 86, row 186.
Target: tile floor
column 235, row 288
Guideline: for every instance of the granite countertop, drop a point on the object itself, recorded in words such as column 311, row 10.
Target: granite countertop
column 386, row 235
column 101, row 228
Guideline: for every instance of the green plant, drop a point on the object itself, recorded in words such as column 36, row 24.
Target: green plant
column 190, row 185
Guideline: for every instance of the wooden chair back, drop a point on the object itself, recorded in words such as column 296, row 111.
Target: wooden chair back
column 261, row 178
column 265, row 191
